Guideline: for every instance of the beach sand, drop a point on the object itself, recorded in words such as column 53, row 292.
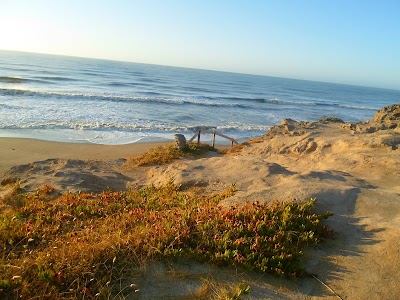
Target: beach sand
column 20, row 151
column 352, row 170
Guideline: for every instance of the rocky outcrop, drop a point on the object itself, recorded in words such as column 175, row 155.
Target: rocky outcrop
column 385, row 118
column 330, row 120
column 388, row 114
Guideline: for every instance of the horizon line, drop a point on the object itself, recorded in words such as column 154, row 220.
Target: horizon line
column 203, row 69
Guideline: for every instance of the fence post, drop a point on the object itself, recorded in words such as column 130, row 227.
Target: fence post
column 180, row 141
column 213, row 140
column 198, row 138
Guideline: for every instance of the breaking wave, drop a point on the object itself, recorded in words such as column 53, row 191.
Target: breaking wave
column 154, row 97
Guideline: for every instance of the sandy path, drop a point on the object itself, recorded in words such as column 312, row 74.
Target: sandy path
column 355, row 174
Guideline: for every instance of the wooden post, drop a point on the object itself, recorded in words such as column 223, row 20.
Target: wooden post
column 180, row 141
column 214, row 133
column 198, row 138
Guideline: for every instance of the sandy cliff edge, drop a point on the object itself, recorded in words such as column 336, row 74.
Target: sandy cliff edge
column 352, row 170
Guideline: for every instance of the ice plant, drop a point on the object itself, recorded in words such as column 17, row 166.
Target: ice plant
column 86, row 244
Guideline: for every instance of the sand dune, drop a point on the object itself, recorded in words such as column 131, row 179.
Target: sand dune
column 351, row 169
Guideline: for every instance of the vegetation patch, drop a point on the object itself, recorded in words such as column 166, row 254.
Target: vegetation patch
column 88, row 245
column 165, row 154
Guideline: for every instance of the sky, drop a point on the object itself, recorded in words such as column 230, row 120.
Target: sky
column 352, row 42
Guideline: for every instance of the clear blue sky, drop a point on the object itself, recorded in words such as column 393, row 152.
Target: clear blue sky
column 352, row 41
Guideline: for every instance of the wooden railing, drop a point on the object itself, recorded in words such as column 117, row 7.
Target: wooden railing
column 214, row 133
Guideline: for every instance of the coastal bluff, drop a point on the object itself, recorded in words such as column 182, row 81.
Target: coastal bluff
column 352, row 170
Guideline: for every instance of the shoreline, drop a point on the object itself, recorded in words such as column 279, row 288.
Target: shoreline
column 20, row 151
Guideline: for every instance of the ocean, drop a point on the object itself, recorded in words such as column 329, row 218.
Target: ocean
column 70, row 99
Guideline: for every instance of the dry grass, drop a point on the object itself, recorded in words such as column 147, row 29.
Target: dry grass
column 165, row 154
column 222, row 290
column 10, row 193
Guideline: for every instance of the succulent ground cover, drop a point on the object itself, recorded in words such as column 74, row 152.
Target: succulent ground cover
column 86, row 245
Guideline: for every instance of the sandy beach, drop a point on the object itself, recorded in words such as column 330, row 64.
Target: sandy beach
column 352, row 170
column 19, row 151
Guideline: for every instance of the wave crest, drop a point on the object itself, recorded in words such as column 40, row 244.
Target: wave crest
column 130, row 127
column 10, row 79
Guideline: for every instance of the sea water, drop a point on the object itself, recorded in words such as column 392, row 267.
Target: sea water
column 74, row 99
